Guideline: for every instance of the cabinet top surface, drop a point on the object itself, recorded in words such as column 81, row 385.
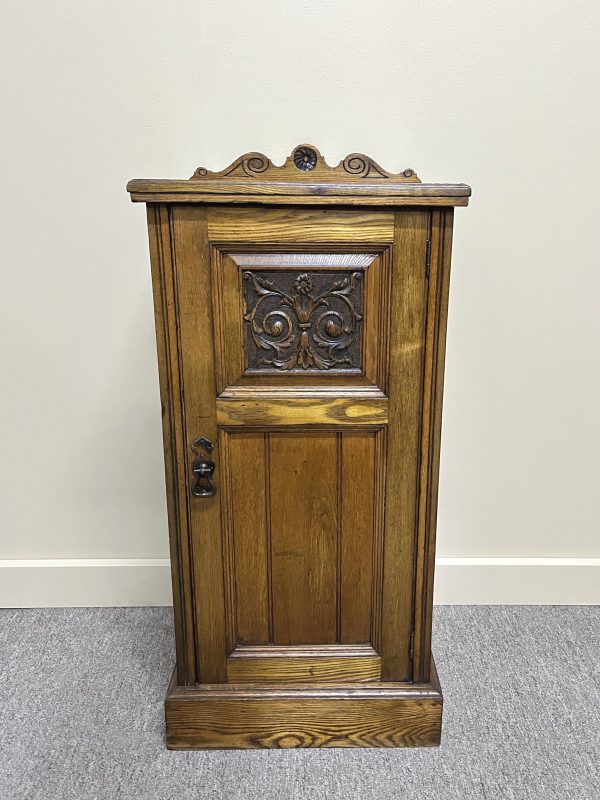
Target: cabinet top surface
column 305, row 178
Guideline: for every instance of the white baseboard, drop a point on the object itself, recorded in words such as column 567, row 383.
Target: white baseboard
column 517, row 581
column 85, row 582
column 147, row 582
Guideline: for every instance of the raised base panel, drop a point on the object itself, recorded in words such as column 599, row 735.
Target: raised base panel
column 353, row 715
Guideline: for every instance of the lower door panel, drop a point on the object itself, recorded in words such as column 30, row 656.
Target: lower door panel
column 303, row 512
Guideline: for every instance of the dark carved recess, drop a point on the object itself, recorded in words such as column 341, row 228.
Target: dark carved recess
column 303, row 321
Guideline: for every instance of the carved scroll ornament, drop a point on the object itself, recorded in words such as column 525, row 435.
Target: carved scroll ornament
column 303, row 329
column 306, row 164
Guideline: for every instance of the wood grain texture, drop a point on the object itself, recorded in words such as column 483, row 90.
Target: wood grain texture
column 304, row 669
column 357, row 181
column 227, row 309
column 303, row 588
column 248, row 510
column 303, row 411
column 305, row 165
column 433, row 387
column 351, row 715
column 193, row 304
column 288, row 225
column 318, row 198
column 168, row 369
column 306, row 722
column 276, row 193
column 358, row 519
column 296, row 391
column 403, row 441
column 303, row 491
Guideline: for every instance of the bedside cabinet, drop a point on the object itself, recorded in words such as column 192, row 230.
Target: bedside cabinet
column 300, row 320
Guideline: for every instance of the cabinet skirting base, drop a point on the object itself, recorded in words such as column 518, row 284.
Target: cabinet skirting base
column 232, row 716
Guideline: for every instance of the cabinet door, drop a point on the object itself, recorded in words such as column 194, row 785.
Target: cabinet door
column 299, row 345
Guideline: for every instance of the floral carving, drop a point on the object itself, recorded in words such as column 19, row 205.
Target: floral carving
column 305, row 158
column 300, row 328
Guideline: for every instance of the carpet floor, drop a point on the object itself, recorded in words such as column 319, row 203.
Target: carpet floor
column 81, row 715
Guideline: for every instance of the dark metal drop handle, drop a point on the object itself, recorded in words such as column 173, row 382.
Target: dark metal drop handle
column 203, row 470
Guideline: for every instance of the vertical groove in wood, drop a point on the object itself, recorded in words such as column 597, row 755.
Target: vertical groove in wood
column 378, row 523
column 386, row 310
column 269, row 544
column 423, row 432
column 338, row 537
column 222, row 324
column 243, row 350
column 431, row 322
column 385, row 315
column 226, row 494
column 429, row 541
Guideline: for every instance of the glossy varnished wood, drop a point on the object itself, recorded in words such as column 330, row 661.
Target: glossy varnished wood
column 292, row 225
column 433, row 386
column 356, row 181
column 306, row 165
column 303, row 411
column 405, row 388
column 360, row 537
column 170, row 392
column 188, row 226
column 303, row 664
column 247, row 508
column 300, row 318
column 309, row 715
column 278, row 193
column 304, row 530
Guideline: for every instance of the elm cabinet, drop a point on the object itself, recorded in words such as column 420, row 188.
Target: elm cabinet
column 300, row 319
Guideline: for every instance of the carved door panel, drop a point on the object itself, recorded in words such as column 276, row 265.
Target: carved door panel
column 301, row 335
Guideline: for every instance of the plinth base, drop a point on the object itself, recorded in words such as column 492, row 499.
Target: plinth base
column 231, row 716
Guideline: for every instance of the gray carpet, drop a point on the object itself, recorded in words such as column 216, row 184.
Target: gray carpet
column 81, row 715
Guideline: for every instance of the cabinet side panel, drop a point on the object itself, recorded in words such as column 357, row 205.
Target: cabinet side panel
column 405, row 387
column 198, row 393
column 433, row 387
column 304, row 530
column 168, row 370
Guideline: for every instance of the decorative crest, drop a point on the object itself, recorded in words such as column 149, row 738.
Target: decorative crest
column 306, row 164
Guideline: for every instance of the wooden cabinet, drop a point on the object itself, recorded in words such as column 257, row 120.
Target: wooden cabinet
column 300, row 319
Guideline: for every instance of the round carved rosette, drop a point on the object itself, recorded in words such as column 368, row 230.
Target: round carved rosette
column 305, row 158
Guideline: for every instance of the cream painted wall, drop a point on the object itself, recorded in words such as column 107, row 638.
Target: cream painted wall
column 502, row 95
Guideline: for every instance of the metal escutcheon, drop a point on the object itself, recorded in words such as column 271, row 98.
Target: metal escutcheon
column 203, row 469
